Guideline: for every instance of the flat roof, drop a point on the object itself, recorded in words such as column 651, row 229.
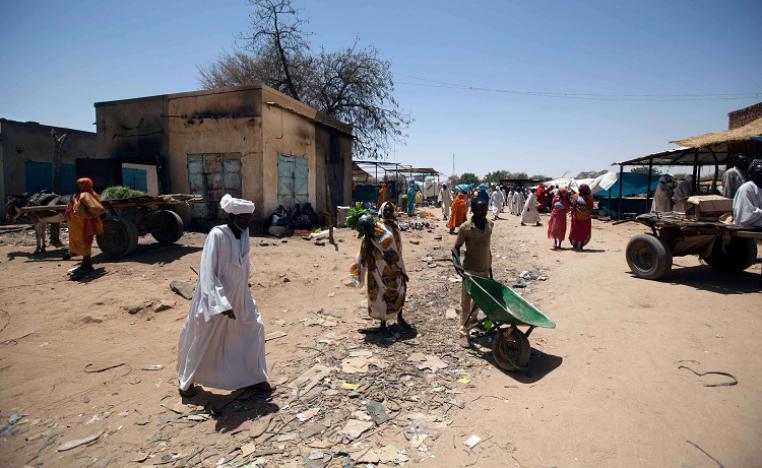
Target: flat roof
column 286, row 102
column 37, row 124
column 681, row 156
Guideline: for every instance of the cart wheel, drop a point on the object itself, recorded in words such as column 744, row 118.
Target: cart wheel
column 511, row 349
column 119, row 238
column 740, row 253
column 648, row 257
column 168, row 227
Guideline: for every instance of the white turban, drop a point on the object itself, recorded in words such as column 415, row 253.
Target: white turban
column 236, row 205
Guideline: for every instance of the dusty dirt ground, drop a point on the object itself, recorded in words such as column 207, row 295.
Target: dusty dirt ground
column 605, row 388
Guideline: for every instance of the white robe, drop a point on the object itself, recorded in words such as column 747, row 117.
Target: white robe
column 732, row 179
column 662, row 201
column 496, row 202
column 514, row 202
column 530, row 215
column 747, row 205
column 519, row 202
column 214, row 350
column 445, row 197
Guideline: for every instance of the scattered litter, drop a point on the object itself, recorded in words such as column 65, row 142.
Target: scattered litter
column 307, row 415
column 464, row 380
column 730, row 383
column 349, row 386
column 153, row 367
column 92, row 369
column 275, row 335
column 12, row 420
column 455, row 279
column 520, row 283
column 309, row 379
column 248, row 449
column 377, row 412
column 451, row 314
column 78, row 442
column 472, row 441
column 316, row 455
column 354, row 428
column 259, row 426
column 427, row 361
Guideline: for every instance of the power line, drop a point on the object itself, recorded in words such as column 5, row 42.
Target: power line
column 429, row 83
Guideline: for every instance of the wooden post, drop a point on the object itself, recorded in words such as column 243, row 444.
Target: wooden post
column 621, row 177
column 648, row 190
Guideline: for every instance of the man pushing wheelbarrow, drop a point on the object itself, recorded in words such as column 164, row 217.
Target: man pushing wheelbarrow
column 504, row 310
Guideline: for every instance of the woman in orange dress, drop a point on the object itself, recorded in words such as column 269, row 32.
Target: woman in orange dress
column 83, row 217
column 458, row 211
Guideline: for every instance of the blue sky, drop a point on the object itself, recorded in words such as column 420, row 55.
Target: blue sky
column 58, row 58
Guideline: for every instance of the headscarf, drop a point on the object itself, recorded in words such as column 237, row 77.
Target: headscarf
column 85, row 184
column 236, row 205
column 584, row 190
column 383, row 206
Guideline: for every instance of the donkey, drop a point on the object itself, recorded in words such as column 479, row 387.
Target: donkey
column 38, row 219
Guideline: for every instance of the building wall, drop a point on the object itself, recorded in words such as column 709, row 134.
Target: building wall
column 132, row 131
column 226, row 122
column 741, row 117
column 22, row 142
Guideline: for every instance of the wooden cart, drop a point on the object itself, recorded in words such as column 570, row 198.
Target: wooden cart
column 128, row 219
column 724, row 247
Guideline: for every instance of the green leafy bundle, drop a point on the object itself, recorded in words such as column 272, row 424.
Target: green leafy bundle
column 353, row 217
column 119, row 192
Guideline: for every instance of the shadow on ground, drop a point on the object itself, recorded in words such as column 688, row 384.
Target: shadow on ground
column 231, row 410
column 152, row 254
column 540, row 362
column 707, row 279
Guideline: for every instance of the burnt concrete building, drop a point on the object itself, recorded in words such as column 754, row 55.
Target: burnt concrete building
column 26, row 157
column 738, row 118
column 252, row 142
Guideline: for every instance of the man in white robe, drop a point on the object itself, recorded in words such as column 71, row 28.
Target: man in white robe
column 683, row 191
column 445, row 198
column 663, row 196
column 747, row 204
column 734, row 177
column 222, row 344
column 530, row 215
column 519, row 201
column 496, row 202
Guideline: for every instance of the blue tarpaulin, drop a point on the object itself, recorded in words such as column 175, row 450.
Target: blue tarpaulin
column 632, row 184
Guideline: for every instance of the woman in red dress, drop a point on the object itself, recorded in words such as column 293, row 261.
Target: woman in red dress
column 557, row 223
column 581, row 218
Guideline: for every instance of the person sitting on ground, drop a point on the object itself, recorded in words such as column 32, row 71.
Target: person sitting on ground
column 379, row 263
column 457, row 212
column 476, row 235
column 747, row 203
column 734, row 177
column 222, row 344
column 83, row 216
column 309, row 214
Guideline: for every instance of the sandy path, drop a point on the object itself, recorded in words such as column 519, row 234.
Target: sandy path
column 604, row 387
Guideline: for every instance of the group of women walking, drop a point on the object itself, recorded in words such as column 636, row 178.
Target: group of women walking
column 578, row 207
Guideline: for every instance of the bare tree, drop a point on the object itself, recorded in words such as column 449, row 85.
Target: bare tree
column 353, row 85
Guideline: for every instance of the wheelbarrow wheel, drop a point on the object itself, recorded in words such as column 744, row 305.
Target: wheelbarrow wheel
column 648, row 257
column 168, row 227
column 511, row 349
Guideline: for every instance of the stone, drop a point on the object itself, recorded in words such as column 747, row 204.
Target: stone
column 163, row 305
column 451, row 314
column 182, row 288
column 355, row 427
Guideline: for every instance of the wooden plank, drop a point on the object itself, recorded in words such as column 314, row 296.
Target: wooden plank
column 749, row 234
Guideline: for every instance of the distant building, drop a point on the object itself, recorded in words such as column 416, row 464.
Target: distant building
column 738, row 118
column 26, row 157
column 251, row 142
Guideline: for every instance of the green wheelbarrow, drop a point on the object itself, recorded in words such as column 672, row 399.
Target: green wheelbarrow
column 505, row 311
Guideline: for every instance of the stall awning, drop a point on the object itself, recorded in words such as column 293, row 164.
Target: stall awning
column 682, row 156
column 750, row 131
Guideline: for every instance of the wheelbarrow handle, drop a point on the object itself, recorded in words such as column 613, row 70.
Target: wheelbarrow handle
column 457, row 265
